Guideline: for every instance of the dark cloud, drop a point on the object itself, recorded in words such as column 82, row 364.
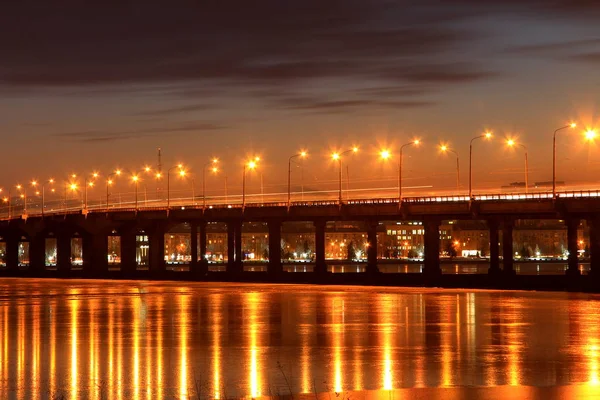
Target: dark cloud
column 552, row 49
column 95, row 136
column 226, row 48
column 335, row 106
column 587, row 57
column 176, row 110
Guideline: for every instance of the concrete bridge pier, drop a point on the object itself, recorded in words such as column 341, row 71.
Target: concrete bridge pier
column 372, row 249
column 594, row 226
column 432, row 247
column 12, row 252
column 156, row 241
column 494, row 269
column 231, row 261
column 128, row 245
column 37, row 253
column 194, row 253
column 99, row 253
column 320, row 265
column 573, row 263
column 63, row 252
column 275, row 266
column 203, row 262
column 507, row 247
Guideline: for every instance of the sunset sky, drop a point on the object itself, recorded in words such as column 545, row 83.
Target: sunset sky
column 90, row 87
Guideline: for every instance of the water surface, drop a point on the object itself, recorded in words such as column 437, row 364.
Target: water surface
column 148, row 340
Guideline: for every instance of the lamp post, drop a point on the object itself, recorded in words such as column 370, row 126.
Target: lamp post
column 487, row 135
column 73, row 187
column 214, row 169
column 135, row 179
column 571, row 125
column 109, row 182
column 302, row 154
column 445, row 149
column 181, row 173
column 251, row 165
column 7, row 200
column 338, row 157
column 88, row 183
column 416, row 143
column 24, row 197
column 49, row 181
column 512, row 143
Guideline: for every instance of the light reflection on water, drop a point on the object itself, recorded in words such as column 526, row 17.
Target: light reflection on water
column 147, row 340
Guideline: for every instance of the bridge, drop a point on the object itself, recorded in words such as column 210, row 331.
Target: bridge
column 123, row 240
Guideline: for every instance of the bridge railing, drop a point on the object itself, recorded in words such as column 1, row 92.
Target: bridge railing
column 127, row 202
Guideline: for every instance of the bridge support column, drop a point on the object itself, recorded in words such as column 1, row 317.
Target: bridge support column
column 372, row 248
column 235, row 231
column 99, row 254
column 156, row 241
column 320, row 265
column 12, row 253
column 573, row 263
column 63, row 252
column 128, row 262
column 432, row 247
column 37, row 253
column 594, row 247
column 230, row 246
column 494, row 248
column 507, row 247
column 194, row 265
column 275, row 266
column 203, row 263
column 87, row 253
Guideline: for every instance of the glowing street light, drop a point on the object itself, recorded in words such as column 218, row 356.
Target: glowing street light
column 135, row 179
column 214, row 169
column 48, row 182
column 87, row 183
column 571, row 125
column 23, row 196
column 590, row 135
column 110, row 182
column 512, row 143
column 251, row 165
column 338, row 157
column 415, row 142
column 444, row 148
column 488, row 136
column 181, row 173
column 302, row 154
column 385, row 154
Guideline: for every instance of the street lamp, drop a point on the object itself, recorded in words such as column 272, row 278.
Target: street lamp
column 338, row 157
column 7, row 200
column 445, row 149
column 214, row 170
column 49, row 181
column 571, row 125
column 73, row 187
column 251, row 165
column 512, row 143
column 487, row 135
column 109, row 182
column 88, row 183
column 23, row 196
column 416, row 143
column 181, row 173
column 302, row 154
column 135, row 179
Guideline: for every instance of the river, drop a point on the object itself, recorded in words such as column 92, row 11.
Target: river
column 78, row 339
